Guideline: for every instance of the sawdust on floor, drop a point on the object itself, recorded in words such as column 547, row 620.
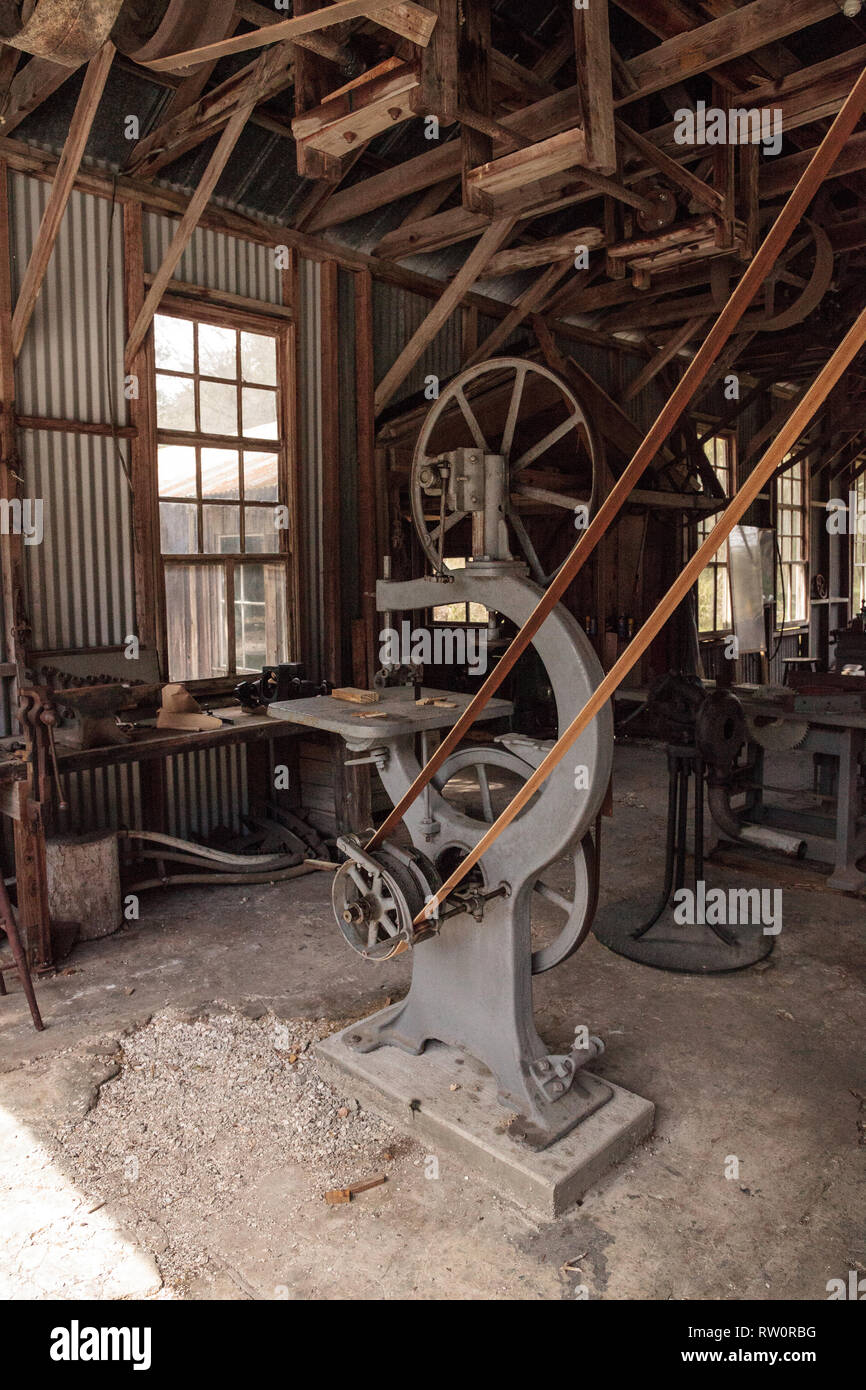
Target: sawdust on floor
column 203, row 1107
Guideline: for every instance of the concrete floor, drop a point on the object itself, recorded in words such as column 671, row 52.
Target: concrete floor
column 766, row 1065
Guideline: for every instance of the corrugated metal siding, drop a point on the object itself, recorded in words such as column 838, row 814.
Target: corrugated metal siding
column 71, row 364
column 206, row 788
column 104, row 798
column 80, row 579
column 215, row 260
column 396, row 316
column 309, row 312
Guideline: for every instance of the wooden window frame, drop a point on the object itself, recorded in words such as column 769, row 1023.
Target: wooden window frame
column 788, row 566
column 282, row 330
column 702, row 530
column 858, row 550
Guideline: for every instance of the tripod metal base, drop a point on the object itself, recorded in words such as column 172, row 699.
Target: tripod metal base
column 658, row 940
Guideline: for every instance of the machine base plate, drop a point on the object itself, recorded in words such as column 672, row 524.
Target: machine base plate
column 468, row 1127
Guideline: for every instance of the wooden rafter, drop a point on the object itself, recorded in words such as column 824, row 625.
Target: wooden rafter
column 259, row 80
column 527, row 304
column 186, row 227
column 665, row 354
column 469, row 272
column 406, row 18
column 64, row 182
column 592, row 58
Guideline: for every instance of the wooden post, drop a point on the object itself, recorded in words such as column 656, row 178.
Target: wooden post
column 368, row 534
column 332, row 540
column 592, row 58
column 149, row 595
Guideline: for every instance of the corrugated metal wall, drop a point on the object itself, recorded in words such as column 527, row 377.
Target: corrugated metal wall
column 71, row 364
column 215, row 260
column 396, row 315
column 80, row 580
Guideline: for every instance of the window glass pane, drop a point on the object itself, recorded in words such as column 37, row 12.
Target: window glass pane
column 723, row 605
column 261, row 477
column 178, row 527
column 706, row 611
column 195, row 601
column 173, row 342
column 175, row 403
column 222, row 530
column 176, row 463
column 259, row 359
column 219, row 473
column 260, row 414
column 262, row 536
column 217, row 351
column 219, row 408
column 260, row 616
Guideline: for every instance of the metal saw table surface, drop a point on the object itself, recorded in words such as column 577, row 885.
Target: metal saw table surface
column 403, row 716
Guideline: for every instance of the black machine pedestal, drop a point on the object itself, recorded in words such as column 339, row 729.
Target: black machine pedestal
column 660, row 941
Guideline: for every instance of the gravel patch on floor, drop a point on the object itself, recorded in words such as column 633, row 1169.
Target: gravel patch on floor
column 205, row 1106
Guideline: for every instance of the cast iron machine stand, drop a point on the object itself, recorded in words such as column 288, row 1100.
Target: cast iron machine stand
column 473, row 962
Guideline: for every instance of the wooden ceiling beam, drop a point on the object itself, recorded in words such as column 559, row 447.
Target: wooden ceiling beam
column 593, row 65
column 529, row 302
column 674, row 344
column 471, row 270
column 264, row 77
column 187, row 225
column 34, row 83
column 547, row 116
column 730, row 36
column 80, row 126
column 407, row 19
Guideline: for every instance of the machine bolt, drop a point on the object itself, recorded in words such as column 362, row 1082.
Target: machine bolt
column 354, row 1038
column 557, row 1088
column 544, row 1065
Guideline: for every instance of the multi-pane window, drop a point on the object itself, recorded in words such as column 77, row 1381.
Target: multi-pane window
column 714, row 591
column 222, row 512
column 858, row 590
column 459, row 612
column 792, row 562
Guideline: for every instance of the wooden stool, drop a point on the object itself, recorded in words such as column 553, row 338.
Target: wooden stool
column 19, row 955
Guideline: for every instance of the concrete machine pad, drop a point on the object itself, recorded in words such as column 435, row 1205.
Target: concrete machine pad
column 469, row 1124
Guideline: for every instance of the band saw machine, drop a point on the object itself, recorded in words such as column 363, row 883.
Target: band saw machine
column 473, row 960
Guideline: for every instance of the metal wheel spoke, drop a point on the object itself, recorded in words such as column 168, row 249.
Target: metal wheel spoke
column 551, row 438
column 552, row 896
column 484, row 785
column 472, row 422
column 450, row 521
column 357, row 878
column 513, row 412
column 527, row 547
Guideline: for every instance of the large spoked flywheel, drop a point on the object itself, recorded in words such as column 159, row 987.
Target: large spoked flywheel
column 523, row 412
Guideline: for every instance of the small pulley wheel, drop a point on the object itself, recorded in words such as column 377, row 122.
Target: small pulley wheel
column 377, row 896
